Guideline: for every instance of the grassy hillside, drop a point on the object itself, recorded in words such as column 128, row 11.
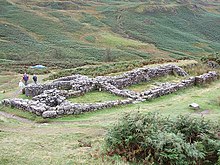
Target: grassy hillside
column 109, row 37
column 77, row 31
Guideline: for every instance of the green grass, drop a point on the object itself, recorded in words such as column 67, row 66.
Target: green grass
column 177, row 28
column 54, row 35
column 118, row 41
column 170, row 105
column 94, row 97
column 9, row 85
column 67, row 147
column 117, row 67
column 22, row 113
column 154, row 83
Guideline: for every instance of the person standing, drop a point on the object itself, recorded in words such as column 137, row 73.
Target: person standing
column 21, row 86
column 25, row 78
column 35, row 79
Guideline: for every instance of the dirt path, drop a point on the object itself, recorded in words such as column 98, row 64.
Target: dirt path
column 27, row 121
column 11, row 116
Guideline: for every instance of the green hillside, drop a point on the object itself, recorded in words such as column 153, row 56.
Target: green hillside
column 109, row 38
column 92, row 30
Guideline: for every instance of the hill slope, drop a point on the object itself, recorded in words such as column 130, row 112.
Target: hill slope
column 92, row 30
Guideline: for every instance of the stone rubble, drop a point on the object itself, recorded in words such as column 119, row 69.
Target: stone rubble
column 50, row 100
column 213, row 65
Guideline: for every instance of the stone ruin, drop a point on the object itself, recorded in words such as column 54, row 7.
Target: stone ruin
column 50, row 100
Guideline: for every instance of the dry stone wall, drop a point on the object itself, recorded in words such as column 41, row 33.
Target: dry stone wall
column 206, row 78
column 75, row 82
column 85, row 84
column 50, row 100
column 143, row 75
column 29, row 105
column 65, row 108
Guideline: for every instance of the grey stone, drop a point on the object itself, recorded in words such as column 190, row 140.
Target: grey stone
column 194, row 106
column 213, row 64
column 49, row 114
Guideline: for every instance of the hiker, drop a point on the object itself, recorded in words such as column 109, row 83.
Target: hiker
column 25, row 78
column 21, row 85
column 35, row 79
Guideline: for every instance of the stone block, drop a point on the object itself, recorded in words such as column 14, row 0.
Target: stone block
column 49, row 114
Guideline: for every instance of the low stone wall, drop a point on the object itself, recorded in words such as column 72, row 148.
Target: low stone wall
column 75, row 82
column 52, row 102
column 206, row 78
column 34, row 89
column 85, row 84
column 28, row 105
column 119, row 92
column 167, row 88
column 51, row 97
column 65, row 108
column 76, row 108
column 144, row 74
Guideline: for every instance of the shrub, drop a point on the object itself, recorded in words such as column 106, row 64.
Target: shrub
column 90, row 39
column 192, row 127
column 153, row 139
column 212, row 57
column 108, row 56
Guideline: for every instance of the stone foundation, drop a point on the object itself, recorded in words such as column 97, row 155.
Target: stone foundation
column 49, row 100
column 86, row 84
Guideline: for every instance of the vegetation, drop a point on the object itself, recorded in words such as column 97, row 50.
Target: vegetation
column 108, row 37
column 212, row 57
column 95, row 96
column 154, row 83
column 25, row 66
column 115, row 67
column 199, row 69
column 66, row 140
column 75, row 32
column 23, row 114
column 153, row 139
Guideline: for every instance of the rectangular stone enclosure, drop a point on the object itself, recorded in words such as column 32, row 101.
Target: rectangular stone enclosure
column 50, row 100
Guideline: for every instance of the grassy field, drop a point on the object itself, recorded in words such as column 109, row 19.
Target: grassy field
column 154, row 83
column 78, row 139
column 94, row 97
